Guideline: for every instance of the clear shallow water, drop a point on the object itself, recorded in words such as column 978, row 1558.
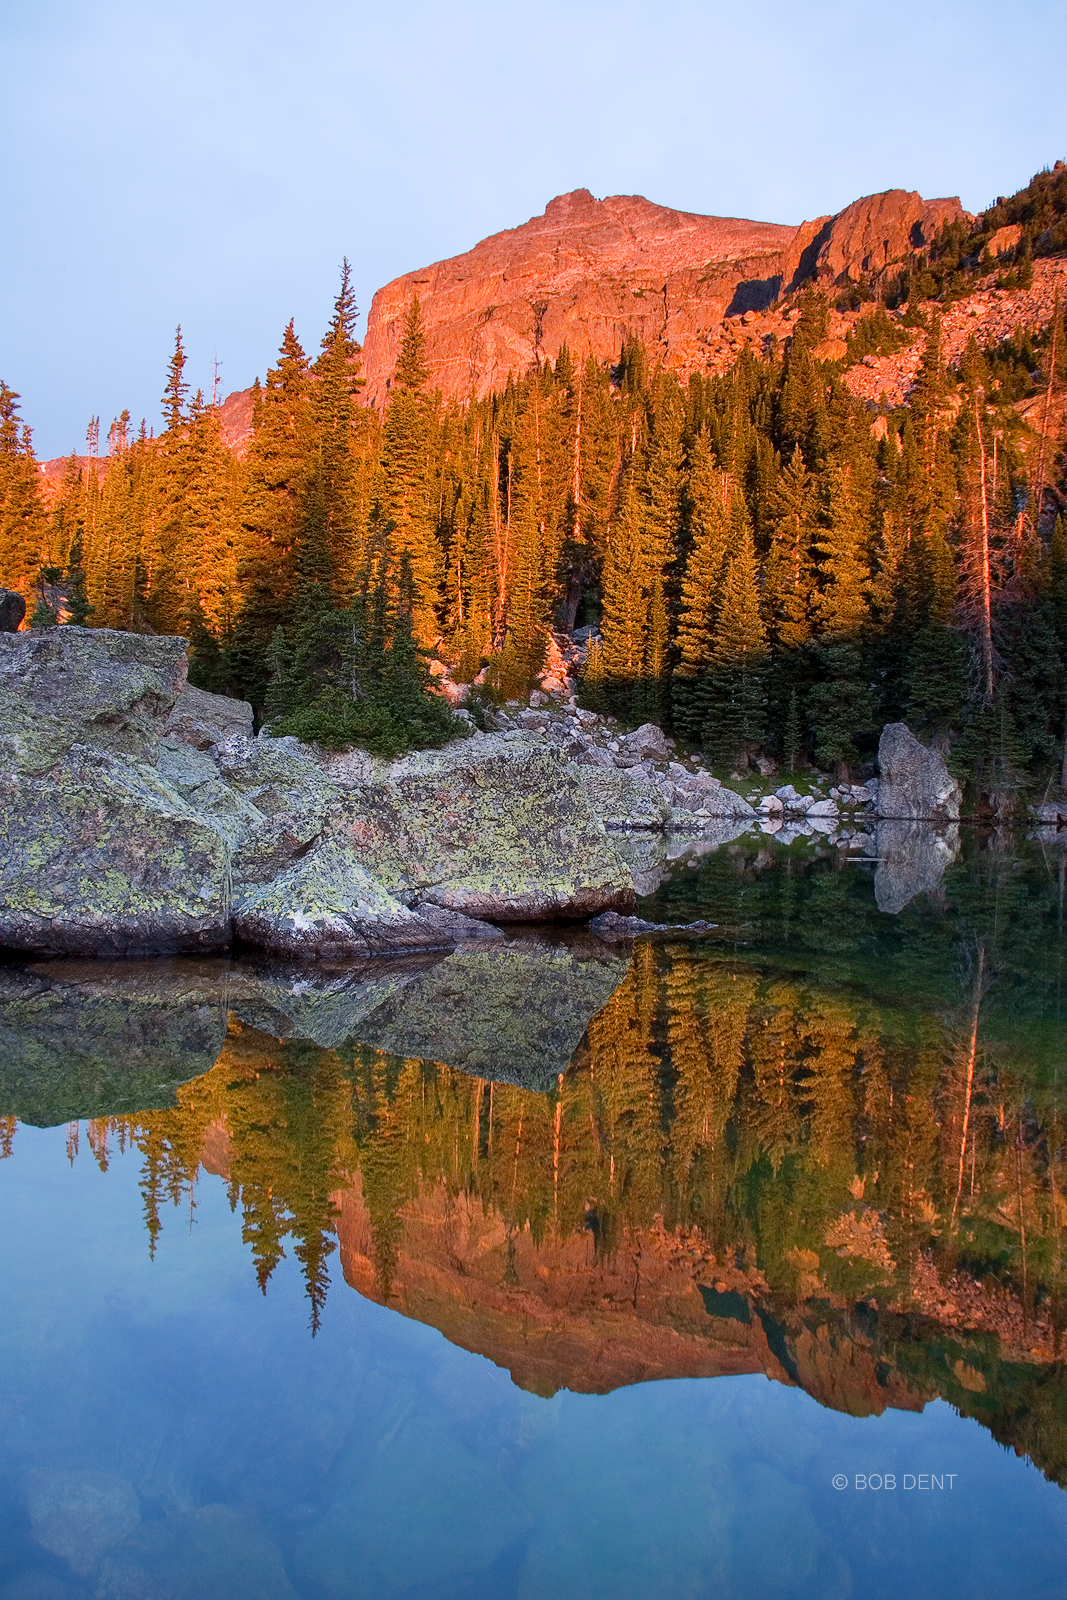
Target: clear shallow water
column 662, row 1214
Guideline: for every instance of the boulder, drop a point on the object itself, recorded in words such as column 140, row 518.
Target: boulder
column 915, row 783
column 104, row 857
column 12, row 611
column 326, row 905
column 78, row 1515
column 87, row 686
column 646, row 743
column 498, row 830
column 622, row 799
column 201, row 719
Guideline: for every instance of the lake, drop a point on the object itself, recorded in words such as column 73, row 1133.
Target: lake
column 721, row 1263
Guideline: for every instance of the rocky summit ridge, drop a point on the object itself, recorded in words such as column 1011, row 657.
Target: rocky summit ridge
column 589, row 273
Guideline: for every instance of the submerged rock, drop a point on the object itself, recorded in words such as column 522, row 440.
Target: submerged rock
column 78, row 1515
column 91, row 686
column 915, row 782
column 104, row 857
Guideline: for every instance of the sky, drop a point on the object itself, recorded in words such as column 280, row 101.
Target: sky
column 210, row 162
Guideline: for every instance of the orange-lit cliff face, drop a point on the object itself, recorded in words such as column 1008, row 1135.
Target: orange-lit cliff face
column 589, row 273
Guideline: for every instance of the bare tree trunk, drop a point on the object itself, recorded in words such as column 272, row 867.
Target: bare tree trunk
column 984, row 578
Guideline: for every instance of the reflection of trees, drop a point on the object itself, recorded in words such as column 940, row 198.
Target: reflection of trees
column 840, row 1144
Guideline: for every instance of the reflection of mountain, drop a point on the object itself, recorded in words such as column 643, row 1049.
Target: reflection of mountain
column 740, row 1171
column 836, row 1155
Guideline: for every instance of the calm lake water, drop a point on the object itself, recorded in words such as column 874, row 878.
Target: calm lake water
column 708, row 1266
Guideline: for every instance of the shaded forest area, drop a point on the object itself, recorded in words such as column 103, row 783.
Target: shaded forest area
column 766, row 563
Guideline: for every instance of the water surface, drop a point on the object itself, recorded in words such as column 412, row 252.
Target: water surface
column 556, row 1268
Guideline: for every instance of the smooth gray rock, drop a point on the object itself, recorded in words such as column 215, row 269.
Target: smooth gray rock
column 454, row 925
column 12, row 611
column 915, row 784
column 79, row 1515
column 103, row 857
column 89, row 686
column 646, row 743
column 201, row 719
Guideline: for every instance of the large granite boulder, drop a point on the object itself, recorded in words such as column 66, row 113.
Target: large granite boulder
column 915, row 782
column 327, row 905
column 492, row 828
column 89, row 686
column 101, row 856
column 201, row 719
column 623, row 799
column 12, row 611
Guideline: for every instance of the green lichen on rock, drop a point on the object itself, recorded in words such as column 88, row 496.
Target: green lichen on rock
column 326, row 904
column 491, row 828
column 65, row 686
column 103, row 857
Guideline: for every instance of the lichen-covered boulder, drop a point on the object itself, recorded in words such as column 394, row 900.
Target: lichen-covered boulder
column 491, row 828
column 326, row 905
column 90, row 686
column 101, row 856
column 284, row 783
column 201, row 719
column 915, row 782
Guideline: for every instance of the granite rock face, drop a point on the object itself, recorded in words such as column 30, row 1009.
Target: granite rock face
column 590, row 272
column 201, row 719
column 103, row 857
column 326, row 905
column 915, row 782
column 90, row 686
column 136, row 819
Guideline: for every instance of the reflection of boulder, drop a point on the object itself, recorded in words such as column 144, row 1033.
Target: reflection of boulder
column 915, row 783
column 321, row 1003
column 89, row 1039
column 214, row 1550
column 912, row 857
column 515, row 1012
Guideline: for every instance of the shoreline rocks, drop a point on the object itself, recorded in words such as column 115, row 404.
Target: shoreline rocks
column 139, row 817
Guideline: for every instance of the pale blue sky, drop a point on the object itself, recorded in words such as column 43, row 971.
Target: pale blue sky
column 209, row 162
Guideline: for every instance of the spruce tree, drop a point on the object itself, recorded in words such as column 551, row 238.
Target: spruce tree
column 735, row 685
column 406, row 501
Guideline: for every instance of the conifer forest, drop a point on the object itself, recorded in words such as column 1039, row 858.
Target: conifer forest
column 757, row 560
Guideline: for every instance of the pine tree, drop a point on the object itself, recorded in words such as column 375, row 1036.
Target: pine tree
column 22, row 519
column 789, row 585
column 708, row 528
column 735, row 685
column 406, row 445
column 176, row 390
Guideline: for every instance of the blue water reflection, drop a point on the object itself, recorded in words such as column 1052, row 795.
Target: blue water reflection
column 169, row 1433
